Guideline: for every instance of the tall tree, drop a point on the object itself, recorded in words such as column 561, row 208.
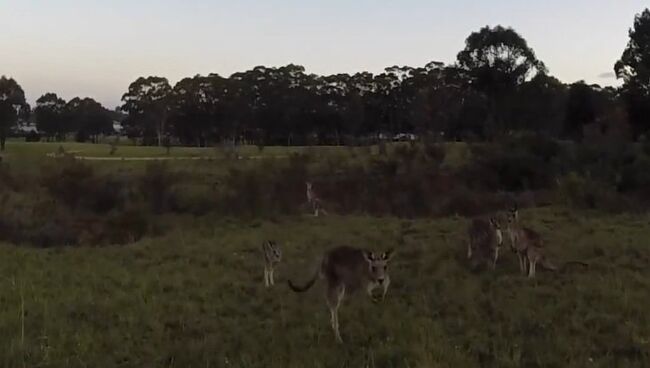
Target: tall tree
column 198, row 109
column 590, row 104
column 147, row 103
column 89, row 119
column 580, row 111
column 50, row 115
column 540, row 105
column 498, row 60
column 12, row 107
column 634, row 69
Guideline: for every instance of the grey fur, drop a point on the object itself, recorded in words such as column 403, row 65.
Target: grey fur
column 272, row 256
column 345, row 270
column 485, row 240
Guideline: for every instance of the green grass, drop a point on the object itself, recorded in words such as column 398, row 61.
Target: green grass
column 195, row 298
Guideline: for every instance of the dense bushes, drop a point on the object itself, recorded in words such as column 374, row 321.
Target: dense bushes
column 71, row 202
column 528, row 162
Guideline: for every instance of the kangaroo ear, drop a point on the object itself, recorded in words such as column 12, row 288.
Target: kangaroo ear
column 387, row 255
column 369, row 256
column 494, row 222
column 515, row 208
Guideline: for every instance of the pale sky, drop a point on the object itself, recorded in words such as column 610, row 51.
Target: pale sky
column 97, row 48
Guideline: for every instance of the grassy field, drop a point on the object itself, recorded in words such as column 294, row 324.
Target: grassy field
column 194, row 297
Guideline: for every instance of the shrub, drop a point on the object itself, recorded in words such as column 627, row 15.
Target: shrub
column 127, row 226
column 434, row 151
column 78, row 186
column 32, row 136
column 582, row 192
column 524, row 162
column 69, row 182
column 635, row 177
column 156, row 186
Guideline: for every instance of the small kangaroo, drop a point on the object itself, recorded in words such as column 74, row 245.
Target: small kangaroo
column 521, row 239
column 313, row 200
column 272, row 256
column 535, row 255
column 529, row 246
column 485, row 240
column 345, row 270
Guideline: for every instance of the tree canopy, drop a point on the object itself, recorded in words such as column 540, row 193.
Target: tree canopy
column 12, row 107
column 634, row 69
column 496, row 86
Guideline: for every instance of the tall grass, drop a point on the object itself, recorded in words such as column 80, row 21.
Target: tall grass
column 195, row 297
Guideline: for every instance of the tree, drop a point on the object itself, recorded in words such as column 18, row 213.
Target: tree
column 198, row 108
column 589, row 104
column 634, row 69
column 540, row 105
column 580, row 111
column 88, row 119
column 147, row 103
column 12, row 107
column 50, row 115
column 498, row 60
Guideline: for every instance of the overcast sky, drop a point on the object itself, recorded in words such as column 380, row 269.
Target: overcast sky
column 97, row 48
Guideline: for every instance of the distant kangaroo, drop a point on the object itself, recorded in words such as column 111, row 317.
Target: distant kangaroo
column 313, row 200
column 345, row 270
column 272, row 256
column 485, row 240
column 535, row 255
column 529, row 246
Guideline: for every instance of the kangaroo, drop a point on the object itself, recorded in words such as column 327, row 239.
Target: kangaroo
column 522, row 238
column 485, row 240
column 345, row 270
column 314, row 201
column 272, row 256
column 529, row 247
column 535, row 255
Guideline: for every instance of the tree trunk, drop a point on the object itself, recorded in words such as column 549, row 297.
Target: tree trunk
column 2, row 142
column 161, row 128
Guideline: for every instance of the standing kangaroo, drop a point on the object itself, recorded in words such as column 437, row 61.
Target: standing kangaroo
column 345, row 270
column 529, row 246
column 522, row 239
column 313, row 200
column 272, row 256
column 485, row 240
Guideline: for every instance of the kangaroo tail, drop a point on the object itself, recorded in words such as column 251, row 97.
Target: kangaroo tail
column 310, row 283
column 571, row 263
column 548, row 265
column 303, row 288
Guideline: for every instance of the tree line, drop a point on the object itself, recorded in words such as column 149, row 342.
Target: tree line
column 496, row 86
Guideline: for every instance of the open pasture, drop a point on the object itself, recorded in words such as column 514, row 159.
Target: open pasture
column 195, row 297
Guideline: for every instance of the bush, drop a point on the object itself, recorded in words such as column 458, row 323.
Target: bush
column 70, row 181
column 127, row 226
column 635, row 177
column 156, row 186
column 78, row 186
column 582, row 192
column 32, row 136
column 465, row 202
column 434, row 151
column 499, row 169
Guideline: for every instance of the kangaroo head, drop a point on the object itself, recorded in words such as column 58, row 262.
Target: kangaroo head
column 378, row 265
column 496, row 225
column 275, row 253
column 513, row 215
